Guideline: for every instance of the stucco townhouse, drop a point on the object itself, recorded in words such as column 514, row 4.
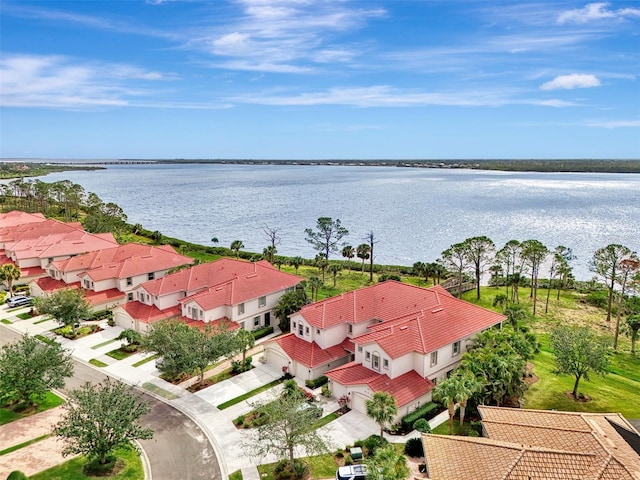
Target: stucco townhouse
column 33, row 245
column 238, row 291
column 391, row 337
column 108, row 276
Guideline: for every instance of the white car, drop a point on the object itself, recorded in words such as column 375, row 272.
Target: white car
column 18, row 301
column 352, row 472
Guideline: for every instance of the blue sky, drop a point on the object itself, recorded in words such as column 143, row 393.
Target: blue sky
column 319, row 79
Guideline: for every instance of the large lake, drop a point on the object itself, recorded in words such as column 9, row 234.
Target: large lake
column 414, row 213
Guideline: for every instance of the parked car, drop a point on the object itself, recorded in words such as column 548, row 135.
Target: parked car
column 352, row 472
column 315, row 409
column 18, row 301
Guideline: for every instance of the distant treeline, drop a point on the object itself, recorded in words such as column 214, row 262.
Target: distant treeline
column 32, row 169
column 532, row 165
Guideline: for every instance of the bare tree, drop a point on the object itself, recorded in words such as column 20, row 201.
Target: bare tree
column 371, row 240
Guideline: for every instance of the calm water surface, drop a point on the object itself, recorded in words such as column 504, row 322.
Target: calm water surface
column 415, row 213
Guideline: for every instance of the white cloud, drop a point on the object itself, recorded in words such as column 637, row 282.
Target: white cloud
column 571, row 81
column 387, row 96
column 614, row 123
column 596, row 11
column 286, row 35
column 59, row 82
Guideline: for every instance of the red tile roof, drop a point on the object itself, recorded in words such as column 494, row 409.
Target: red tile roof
column 124, row 261
column 16, row 217
column 50, row 285
column 405, row 388
column 309, row 353
column 223, row 282
column 413, row 319
column 150, row 313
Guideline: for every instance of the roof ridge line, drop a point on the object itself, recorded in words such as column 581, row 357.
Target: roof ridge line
column 546, row 427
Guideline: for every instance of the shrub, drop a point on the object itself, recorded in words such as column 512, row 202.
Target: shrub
column 414, row 448
column 17, row 475
column 373, row 442
column 325, row 391
column 237, row 367
column 348, row 460
column 384, row 277
column 262, row 332
column 598, row 298
column 313, row 384
column 422, row 425
column 425, row 412
column 470, row 432
column 94, row 467
column 282, row 470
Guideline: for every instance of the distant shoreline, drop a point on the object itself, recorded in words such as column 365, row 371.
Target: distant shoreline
column 511, row 165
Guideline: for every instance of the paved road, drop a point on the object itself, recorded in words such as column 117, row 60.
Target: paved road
column 179, row 449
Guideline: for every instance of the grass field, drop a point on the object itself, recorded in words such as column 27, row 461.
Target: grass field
column 51, row 400
column 72, row 469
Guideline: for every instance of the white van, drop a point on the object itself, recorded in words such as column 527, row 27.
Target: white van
column 352, row 472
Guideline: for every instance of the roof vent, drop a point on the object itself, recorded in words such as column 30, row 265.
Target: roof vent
column 404, row 327
column 436, row 310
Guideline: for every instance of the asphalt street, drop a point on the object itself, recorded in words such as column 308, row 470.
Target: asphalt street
column 179, row 449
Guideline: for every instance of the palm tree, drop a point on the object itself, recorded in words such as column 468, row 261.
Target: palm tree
column 295, row 262
column 322, row 263
column 514, row 314
column 9, row 273
column 450, row 391
column 363, row 252
column 632, row 328
column 269, row 252
column 382, row 408
column 334, row 269
column 236, row 245
column 420, row 270
column 348, row 253
column 469, row 386
column 314, row 284
column 215, row 240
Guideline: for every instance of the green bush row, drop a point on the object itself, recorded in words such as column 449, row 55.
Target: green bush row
column 424, row 411
column 318, row 382
column 262, row 332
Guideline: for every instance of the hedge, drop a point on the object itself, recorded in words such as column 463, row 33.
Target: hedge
column 424, row 411
column 318, row 382
column 262, row 332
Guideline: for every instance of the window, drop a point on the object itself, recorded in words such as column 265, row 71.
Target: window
column 434, row 358
column 317, row 331
column 367, row 356
column 385, row 363
column 151, row 276
column 350, row 328
column 434, row 381
column 241, row 309
column 456, row 349
column 262, row 301
column 129, row 296
column 375, row 363
column 201, row 314
column 359, row 348
column 306, row 330
column 294, row 325
column 129, row 281
column 300, row 329
column 256, row 321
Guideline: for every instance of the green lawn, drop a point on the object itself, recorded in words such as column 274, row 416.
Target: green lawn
column 612, row 393
column 24, row 316
column 24, row 444
column 5, row 321
column 95, row 347
column 250, row 394
column 146, row 360
column 321, row 466
column 119, row 354
column 72, row 469
column 51, row 400
column 159, row 391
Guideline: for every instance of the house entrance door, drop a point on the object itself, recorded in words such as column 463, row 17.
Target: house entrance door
column 267, row 319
